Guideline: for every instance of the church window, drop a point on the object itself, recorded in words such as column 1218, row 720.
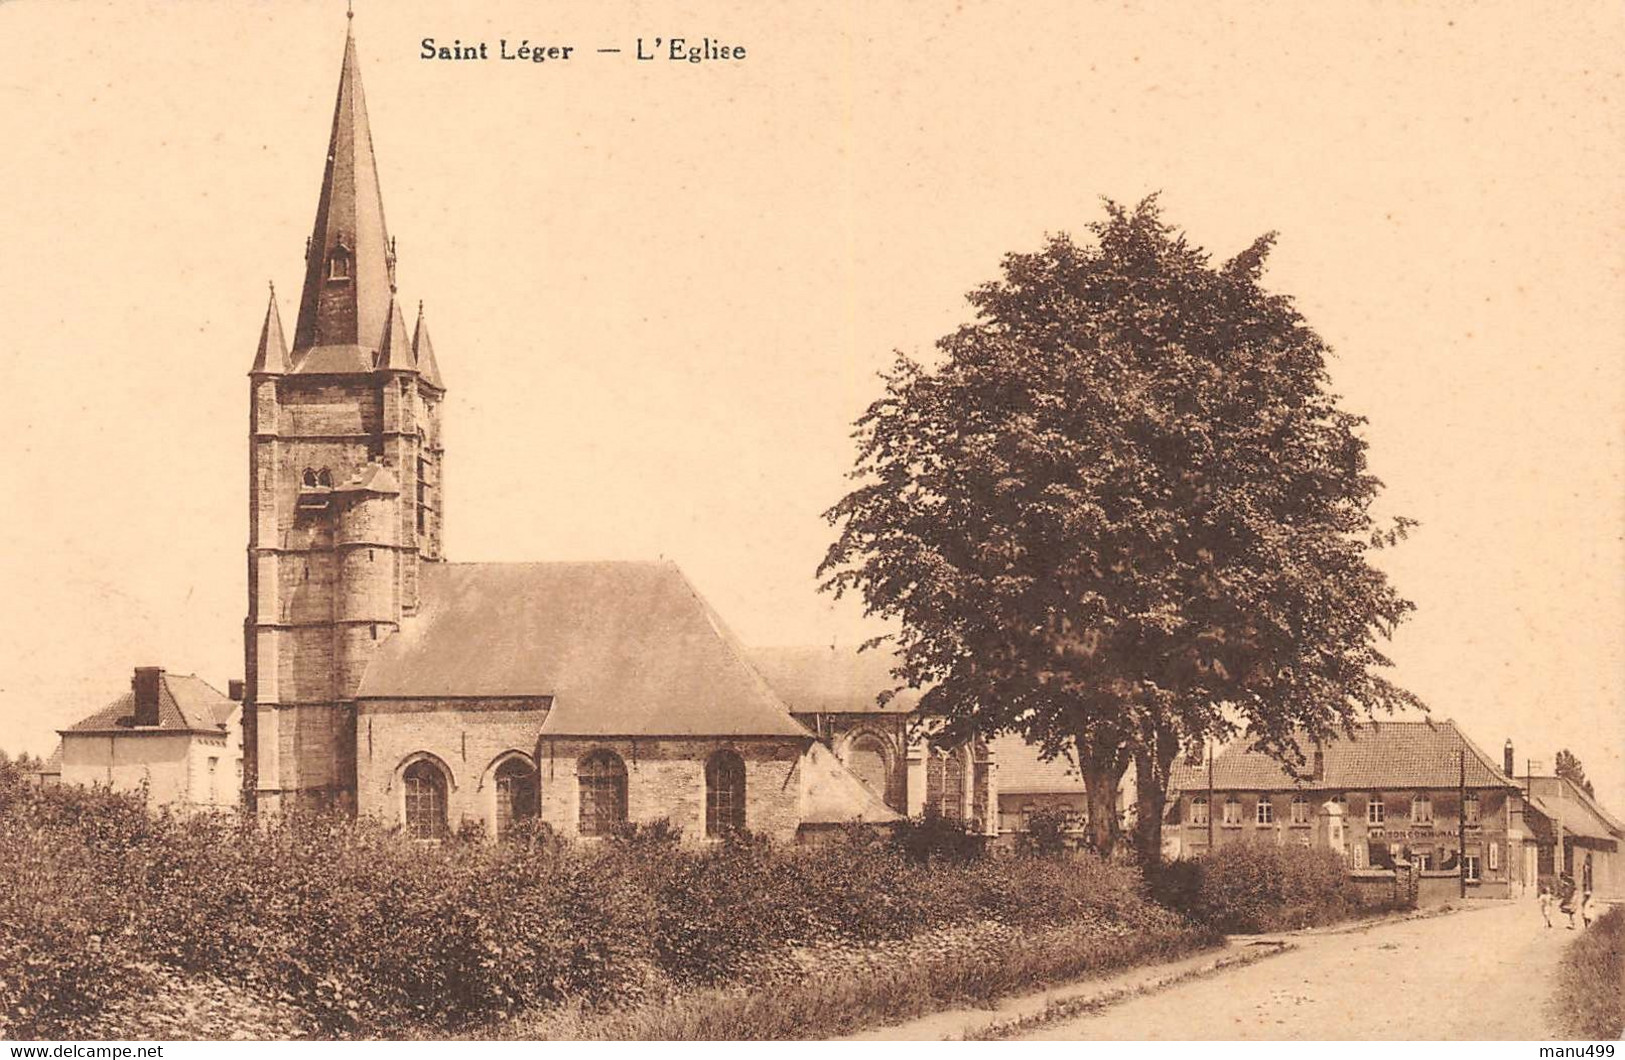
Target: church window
column 724, row 794
column 324, row 477
column 309, row 478
column 867, row 759
column 602, row 779
column 425, row 800
column 338, row 266
column 945, row 782
column 518, row 796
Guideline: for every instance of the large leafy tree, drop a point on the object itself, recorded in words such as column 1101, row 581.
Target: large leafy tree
column 1123, row 513
column 1568, row 765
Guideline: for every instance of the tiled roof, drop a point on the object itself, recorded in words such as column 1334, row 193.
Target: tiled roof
column 623, row 649
column 1384, row 754
column 1023, row 772
column 186, row 703
column 817, row 680
column 1575, row 817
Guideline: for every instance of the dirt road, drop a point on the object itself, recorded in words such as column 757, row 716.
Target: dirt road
column 1480, row 974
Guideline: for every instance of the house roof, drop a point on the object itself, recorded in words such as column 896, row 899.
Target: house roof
column 1383, row 754
column 1023, row 772
column 1561, row 799
column 186, row 703
column 820, row 680
column 52, row 766
column 831, row 794
column 623, row 649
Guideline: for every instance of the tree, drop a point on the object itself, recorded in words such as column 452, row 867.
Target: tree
column 1124, row 513
column 1568, row 765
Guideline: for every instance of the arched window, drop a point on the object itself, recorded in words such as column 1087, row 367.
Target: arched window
column 324, row 477
column 724, row 794
column 945, row 781
column 602, row 779
column 866, row 758
column 425, row 800
column 309, row 478
column 517, row 794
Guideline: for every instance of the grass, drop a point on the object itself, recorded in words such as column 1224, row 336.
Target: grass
column 1590, row 995
column 843, row 1004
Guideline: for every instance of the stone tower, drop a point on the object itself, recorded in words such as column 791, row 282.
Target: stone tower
column 344, row 484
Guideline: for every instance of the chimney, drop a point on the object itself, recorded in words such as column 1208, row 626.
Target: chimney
column 145, row 686
column 1507, row 765
column 234, row 689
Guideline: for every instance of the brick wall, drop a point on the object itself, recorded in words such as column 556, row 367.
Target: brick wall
column 666, row 779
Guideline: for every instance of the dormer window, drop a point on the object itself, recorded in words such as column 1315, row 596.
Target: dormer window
column 338, row 265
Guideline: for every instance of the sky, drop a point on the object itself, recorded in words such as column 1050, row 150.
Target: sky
column 661, row 291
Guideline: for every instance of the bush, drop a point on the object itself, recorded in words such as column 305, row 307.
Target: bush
column 933, row 837
column 1046, row 832
column 1257, row 886
column 371, row 932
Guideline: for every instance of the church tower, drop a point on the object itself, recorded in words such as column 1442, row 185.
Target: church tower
column 344, row 499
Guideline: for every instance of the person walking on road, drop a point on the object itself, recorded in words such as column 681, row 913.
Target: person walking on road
column 1565, row 894
column 1588, row 909
column 1546, row 902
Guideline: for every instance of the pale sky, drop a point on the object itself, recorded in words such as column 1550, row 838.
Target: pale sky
column 660, row 291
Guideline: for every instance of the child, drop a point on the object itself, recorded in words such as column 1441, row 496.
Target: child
column 1565, row 894
column 1587, row 909
column 1546, row 902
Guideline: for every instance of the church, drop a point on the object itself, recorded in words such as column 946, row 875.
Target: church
column 384, row 680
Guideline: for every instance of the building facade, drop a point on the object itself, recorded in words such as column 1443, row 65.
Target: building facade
column 1572, row 834
column 172, row 736
column 1393, row 793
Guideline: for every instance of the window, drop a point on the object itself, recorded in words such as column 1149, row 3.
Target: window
column 1199, row 810
column 425, row 800
column 1472, row 867
column 602, row 777
column 1232, row 811
column 324, row 477
column 1421, row 809
column 1471, row 807
column 945, row 782
column 867, row 759
column 1374, row 810
column 214, row 780
column 724, row 794
column 1424, row 861
column 338, row 266
column 1266, row 810
column 309, row 478
column 518, row 794
column 1300, row 809
column 1495, row 857
column 423, row 495
column 1027, row 811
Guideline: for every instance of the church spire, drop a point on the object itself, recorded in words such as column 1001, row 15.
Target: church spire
column 350, row 262
column 423, row 353
column 272, row 356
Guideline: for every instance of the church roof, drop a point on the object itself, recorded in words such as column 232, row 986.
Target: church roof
column 831, row 794
column 828, row 680
column 349, row 267
column 623, row 649
column 1380, row 754
column 186, row 703
column 272, row 356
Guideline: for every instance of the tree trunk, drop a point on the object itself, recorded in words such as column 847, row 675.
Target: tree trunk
column 1153, row 764
column 1102, row 774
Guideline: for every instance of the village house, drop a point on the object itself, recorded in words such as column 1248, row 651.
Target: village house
column 1395, row 793
column 171, row 735
column 1573, row 834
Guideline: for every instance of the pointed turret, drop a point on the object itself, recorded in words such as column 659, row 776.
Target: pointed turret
column 272, row 356
column 395, row 355
column 423, row 351
column 349, row 264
